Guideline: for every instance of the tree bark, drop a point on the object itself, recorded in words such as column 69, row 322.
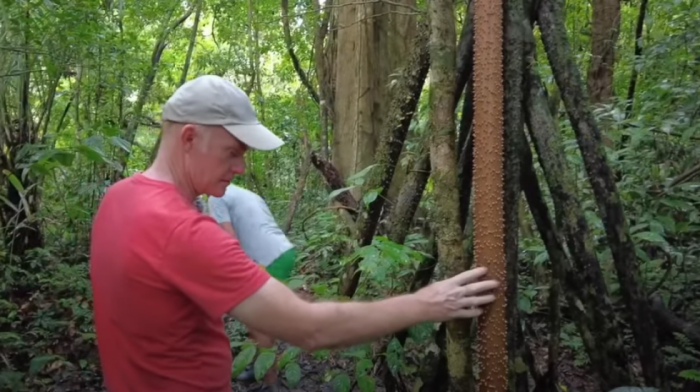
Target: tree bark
column 557, row 259
column 488, row 189
column 514, row 24
column 602, row 181
column 595, row 316
column 443, row 159
column 404, row 100
column 372, row 43
column 606, row 30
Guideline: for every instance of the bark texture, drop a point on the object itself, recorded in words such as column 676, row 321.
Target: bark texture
column 588, row 135
column 488, row 188
column 403, row 101
column 513, row 131
column 585, row 287
column 443, row 159
column 373, row 38
column 606, row 30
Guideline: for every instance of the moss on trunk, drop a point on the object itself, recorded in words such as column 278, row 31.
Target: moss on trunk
column 443, row 159
column 585, row 283
column 588, row 135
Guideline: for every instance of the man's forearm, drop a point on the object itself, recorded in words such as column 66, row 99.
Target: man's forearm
column 342, row 324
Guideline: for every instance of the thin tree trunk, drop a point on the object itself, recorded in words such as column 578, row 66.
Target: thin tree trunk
column 443, row 159
column 185, row 69
column 638, row 32
column 557, row 259
column 597, row 320
column 512, row 137
column 602, row 181
column 301, row 184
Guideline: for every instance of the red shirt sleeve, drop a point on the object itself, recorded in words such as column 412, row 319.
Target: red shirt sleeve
column 209, row 266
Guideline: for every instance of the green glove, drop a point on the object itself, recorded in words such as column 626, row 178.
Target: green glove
column 281, row 268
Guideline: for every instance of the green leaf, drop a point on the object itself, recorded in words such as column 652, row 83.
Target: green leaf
column 6, row 337
column 525, row 304
column 359, row 351
column 38, row 363
column 421, row 333
column 243, row 359
column 359, row 177
column 289, row 355
column 14, row 181
column 362, row 367
column 12, row 381
column 341, row 383
column 121, row 143
column 394, row 356
column 295, row 283
column 92, row 153
column 337, row 192
column 520, row 366
column 321, row 354
column 690, row 374
column 18, row 185
column 366, row 384
column 292, row 373
column 264, row 363
column 651, row 236
column 541, row 258
column 371, row 196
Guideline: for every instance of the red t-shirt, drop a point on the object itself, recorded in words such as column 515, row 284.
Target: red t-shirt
column 163, row 275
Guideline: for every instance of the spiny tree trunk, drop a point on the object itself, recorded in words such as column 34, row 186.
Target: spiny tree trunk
column 443, row 159
column 488, row 189
column 606, row 29
column 602, row 181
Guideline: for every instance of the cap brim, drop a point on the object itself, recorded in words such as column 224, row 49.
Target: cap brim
column 257, row 137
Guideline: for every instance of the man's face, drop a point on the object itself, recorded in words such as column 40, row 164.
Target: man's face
column 213, row 157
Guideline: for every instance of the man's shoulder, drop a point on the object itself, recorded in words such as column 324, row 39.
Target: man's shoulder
column 148, row 206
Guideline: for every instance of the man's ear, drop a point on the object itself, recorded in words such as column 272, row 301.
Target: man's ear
column 187, row 136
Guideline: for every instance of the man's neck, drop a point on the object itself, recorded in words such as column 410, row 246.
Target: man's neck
column 162, row 171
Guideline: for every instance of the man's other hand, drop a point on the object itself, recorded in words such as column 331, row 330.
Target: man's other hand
column 460, row 296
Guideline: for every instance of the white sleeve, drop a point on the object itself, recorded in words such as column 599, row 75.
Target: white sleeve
column 218, row 210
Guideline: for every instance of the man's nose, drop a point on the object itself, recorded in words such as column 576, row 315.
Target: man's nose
column 238, row 167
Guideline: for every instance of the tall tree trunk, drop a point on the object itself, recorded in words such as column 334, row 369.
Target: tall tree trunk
column 373, row 38
column 488, row 189
column 512, row 137
column 595, row 319
column 602, row 181
column 403, row 100
column 443, row 160
column 606, row 29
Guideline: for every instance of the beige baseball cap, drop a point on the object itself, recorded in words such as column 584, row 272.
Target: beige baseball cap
column 212, row 100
